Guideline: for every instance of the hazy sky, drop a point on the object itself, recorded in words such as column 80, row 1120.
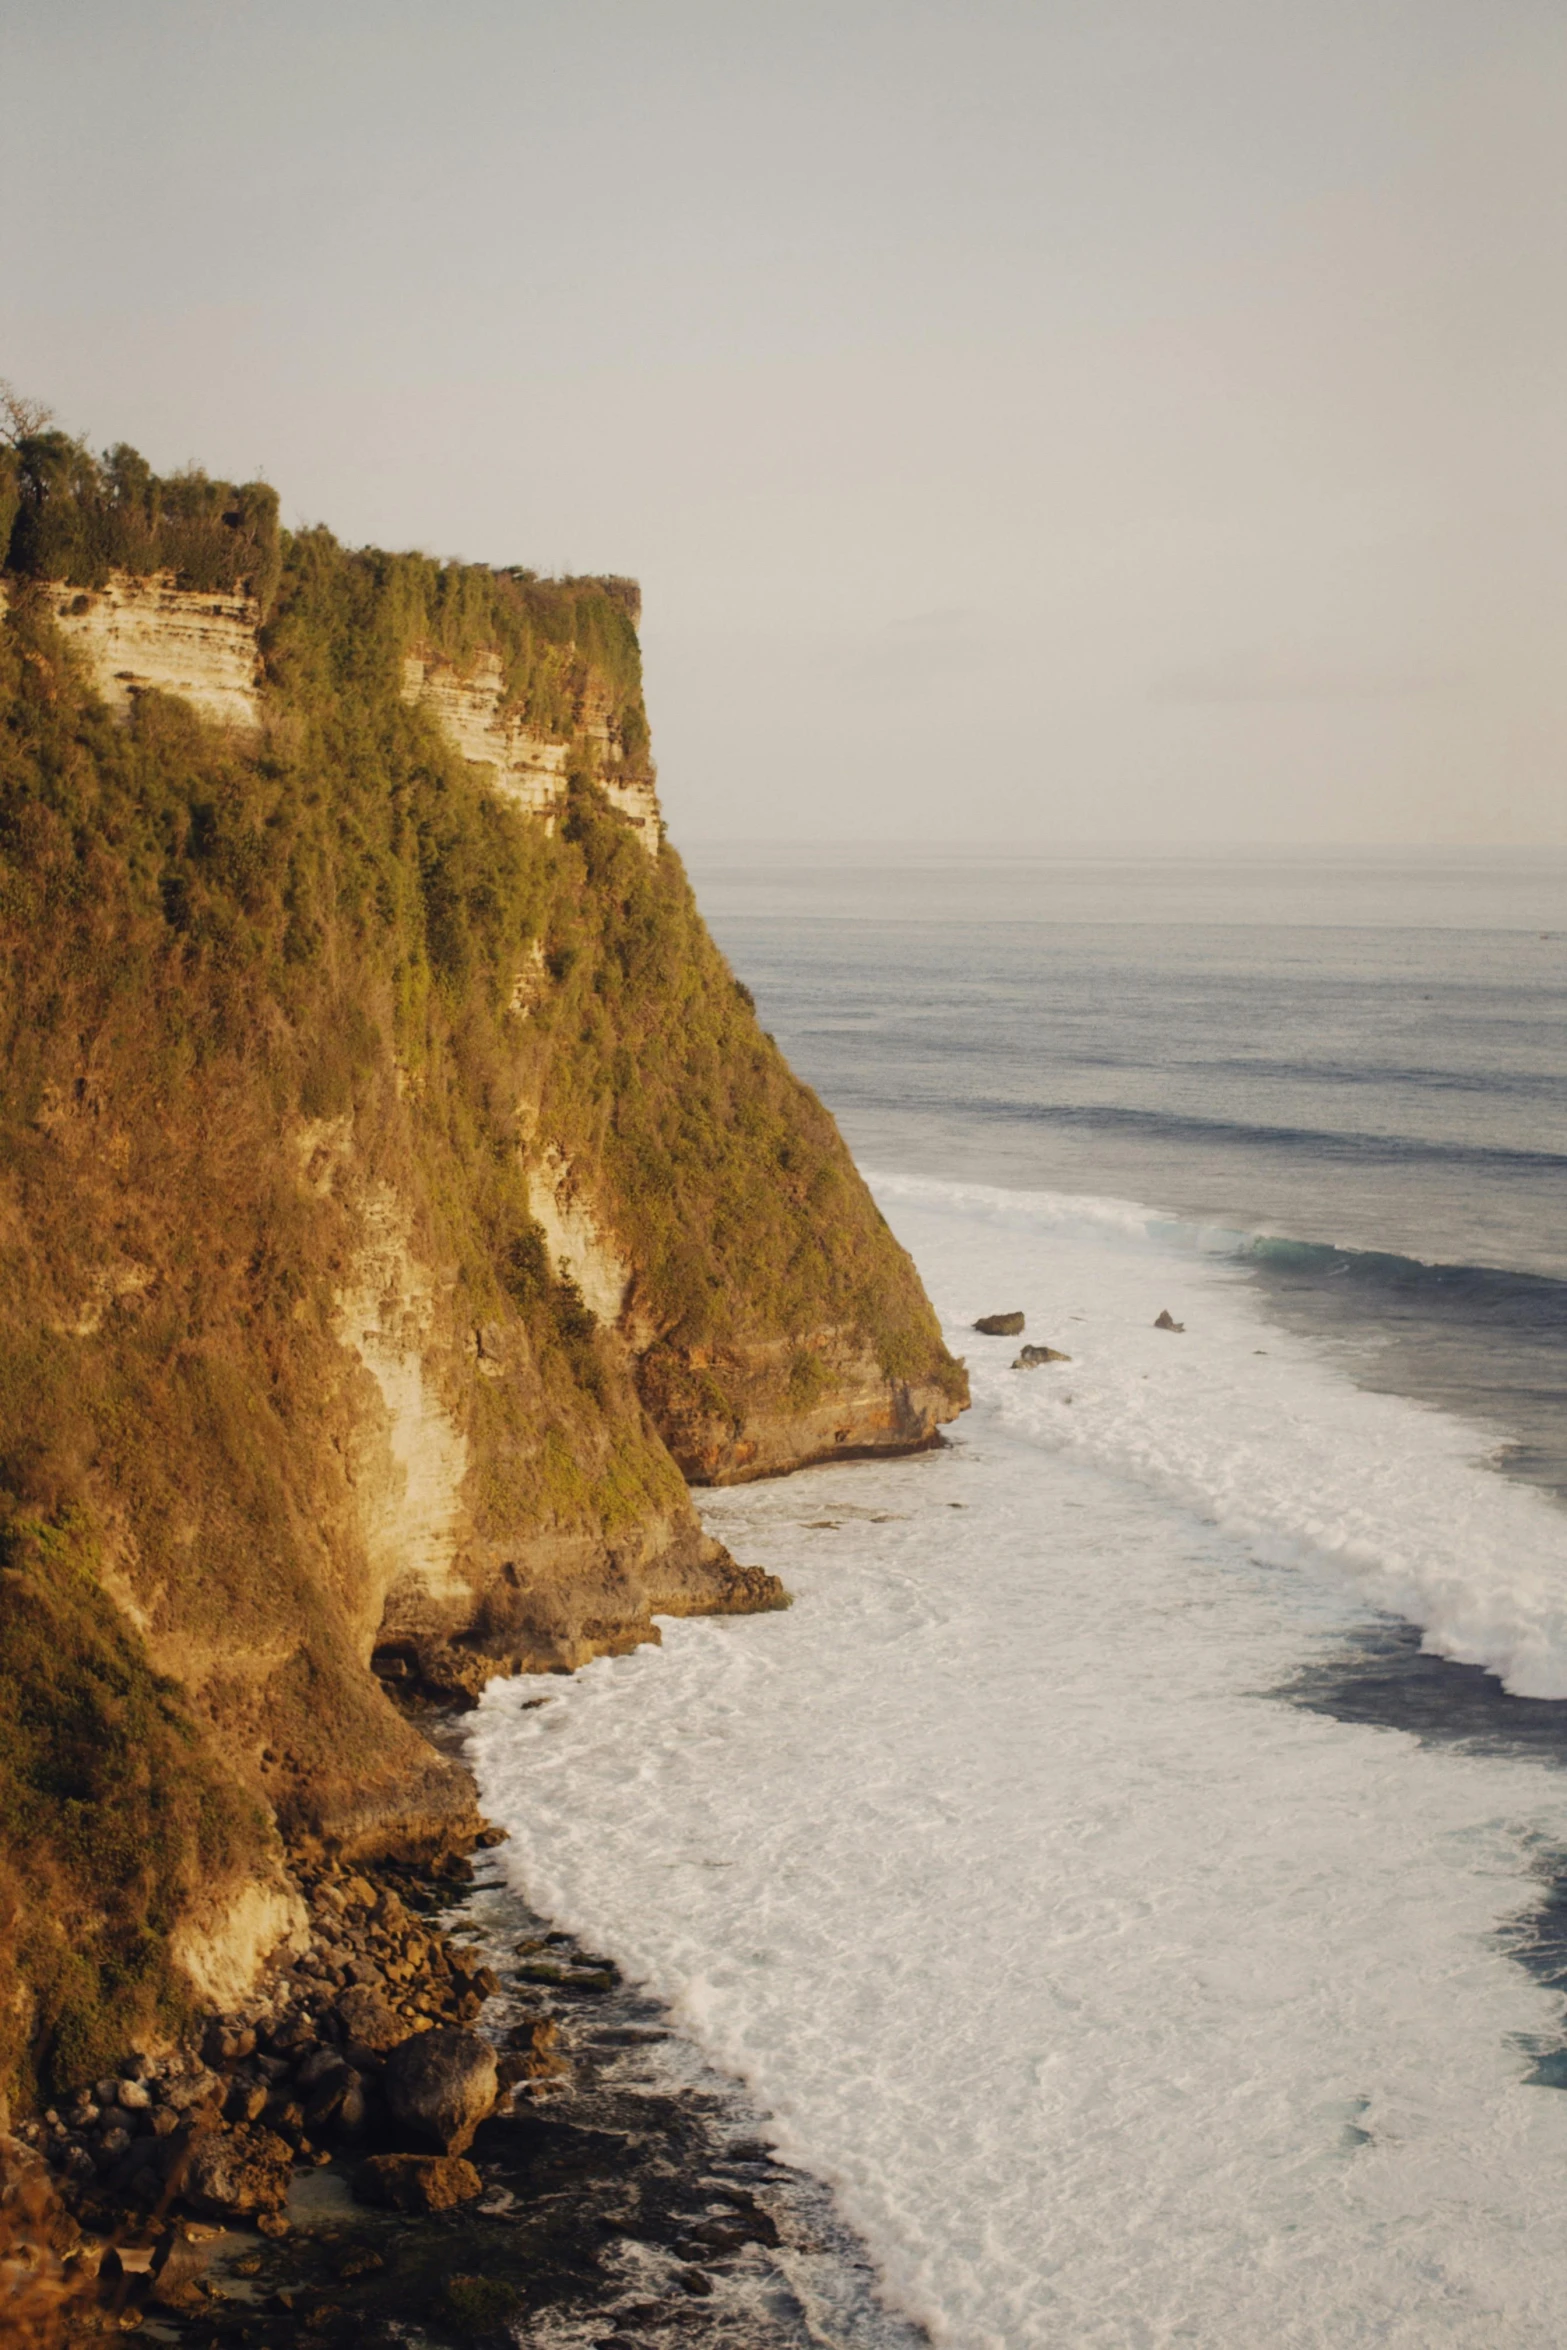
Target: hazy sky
column 1115, row 420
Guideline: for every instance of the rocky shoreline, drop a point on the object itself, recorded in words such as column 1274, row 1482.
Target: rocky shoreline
column 443, row 2122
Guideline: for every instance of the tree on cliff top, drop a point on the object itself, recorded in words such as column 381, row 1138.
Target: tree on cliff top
column 20, row 417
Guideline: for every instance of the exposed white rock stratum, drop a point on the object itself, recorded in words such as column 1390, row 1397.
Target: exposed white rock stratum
column 134, row 634
column 137, row 633
column 409, row 1471
column 574, row 1237
column 528, row 769
column 221, row 1942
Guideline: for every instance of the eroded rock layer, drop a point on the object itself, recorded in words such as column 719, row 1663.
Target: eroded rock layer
column 136, row 634
column 470, row 706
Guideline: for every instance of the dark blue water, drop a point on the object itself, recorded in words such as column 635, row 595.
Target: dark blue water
column 1359, row 1062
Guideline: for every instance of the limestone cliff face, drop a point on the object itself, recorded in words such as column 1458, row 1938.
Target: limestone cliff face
column 133, row 634
column 742, row 1403
column 469, row 706
column 578, row 1243
column 444, row 1609
column 399, row 1204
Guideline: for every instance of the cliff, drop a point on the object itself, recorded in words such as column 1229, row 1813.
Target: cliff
column 398, row 1204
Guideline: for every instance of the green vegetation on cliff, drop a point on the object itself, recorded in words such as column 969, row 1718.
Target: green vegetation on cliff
column 67, row 516
column 255, row 994
column 732, row 1188
column 75, row 518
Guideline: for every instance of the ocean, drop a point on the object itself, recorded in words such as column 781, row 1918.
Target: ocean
column 1131, row 1875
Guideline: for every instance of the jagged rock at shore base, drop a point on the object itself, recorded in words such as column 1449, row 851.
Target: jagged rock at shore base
column 293, row 2075
column 1032, row 1356
column 417, row 2182
column 606, row 1612
column 999, row 1325
column 368, row 2022
column 39, row 2279
column 237, row 2173
column 1167, row 1321
column 533, row 2216
column 440, row 2085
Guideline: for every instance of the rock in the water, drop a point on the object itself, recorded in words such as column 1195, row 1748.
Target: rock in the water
column 540, row 2054
column 366, row 2019
column 230, row 2173
column 417, row 2182
column 1032, row 1355
column 440, row 2085
column 999, row 1325
column 1167, row 1321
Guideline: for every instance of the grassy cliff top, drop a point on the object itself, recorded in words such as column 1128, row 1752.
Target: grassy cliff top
column 69, row 516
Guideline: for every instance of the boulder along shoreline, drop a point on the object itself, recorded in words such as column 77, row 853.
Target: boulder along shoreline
column 441, row 2121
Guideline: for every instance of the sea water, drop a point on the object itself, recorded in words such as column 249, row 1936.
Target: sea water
column 1113, row 1873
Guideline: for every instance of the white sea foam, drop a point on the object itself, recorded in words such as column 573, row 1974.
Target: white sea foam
column 1258, row 1430
column 1124, row 2005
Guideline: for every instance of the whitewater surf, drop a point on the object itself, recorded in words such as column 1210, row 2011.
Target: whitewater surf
column 1123, row 1999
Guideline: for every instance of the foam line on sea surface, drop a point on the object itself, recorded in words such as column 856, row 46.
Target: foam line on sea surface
column 1259, row 1430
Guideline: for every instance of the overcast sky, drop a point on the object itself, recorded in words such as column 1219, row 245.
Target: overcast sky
column 1115, row 421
